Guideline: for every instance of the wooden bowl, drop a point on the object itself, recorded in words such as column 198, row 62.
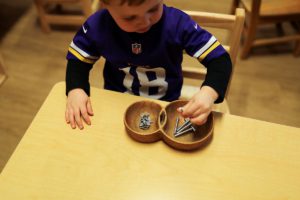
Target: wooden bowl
column 163, row 125
column 190, row 140
column 132, row 121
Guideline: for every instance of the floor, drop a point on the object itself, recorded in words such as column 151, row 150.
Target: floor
column 265, row 87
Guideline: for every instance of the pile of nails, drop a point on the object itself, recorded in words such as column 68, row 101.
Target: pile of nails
column 184, row 128
column 145, row 121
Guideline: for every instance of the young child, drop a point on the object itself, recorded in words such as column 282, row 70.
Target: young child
column 142, row 42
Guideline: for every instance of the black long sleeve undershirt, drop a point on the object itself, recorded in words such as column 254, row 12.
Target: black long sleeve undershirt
column 218, row 75
column 77, row 76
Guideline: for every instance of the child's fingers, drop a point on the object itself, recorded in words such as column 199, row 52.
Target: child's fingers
column 197, row 113
column 187, row 110
column 85, row 116
column 180, row 109
column 78, row 119
column 199, row 120
column 89, row 108
column 72, row 120
column 67, row 117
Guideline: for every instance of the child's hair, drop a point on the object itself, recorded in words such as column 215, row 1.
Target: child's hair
column 129, row 2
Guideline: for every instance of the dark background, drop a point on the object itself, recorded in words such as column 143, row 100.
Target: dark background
column 10, row 12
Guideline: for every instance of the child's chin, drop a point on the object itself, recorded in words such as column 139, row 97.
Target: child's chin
column 143, row 30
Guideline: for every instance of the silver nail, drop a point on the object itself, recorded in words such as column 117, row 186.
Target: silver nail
column 185, row 131
column 186, row 123
column 176, row 125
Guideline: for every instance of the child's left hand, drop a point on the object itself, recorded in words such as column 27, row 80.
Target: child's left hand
column 200, row 106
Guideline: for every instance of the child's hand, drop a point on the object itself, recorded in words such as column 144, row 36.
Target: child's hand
column 78, row 105
column 200, row 106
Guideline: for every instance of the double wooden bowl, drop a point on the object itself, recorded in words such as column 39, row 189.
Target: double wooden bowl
column 163, row 122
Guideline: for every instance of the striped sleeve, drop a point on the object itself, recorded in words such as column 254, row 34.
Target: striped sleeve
column 211, row 45
column 82, row 48
column 80, row 54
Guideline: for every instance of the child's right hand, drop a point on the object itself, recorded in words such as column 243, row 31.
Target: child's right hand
column 78, row 105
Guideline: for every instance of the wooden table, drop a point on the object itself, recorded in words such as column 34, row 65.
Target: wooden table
column 247, row 159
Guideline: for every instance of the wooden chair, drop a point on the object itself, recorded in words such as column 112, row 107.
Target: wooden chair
column 261, row 12
column 234, row 24
column 2, row 72
column 48, row 17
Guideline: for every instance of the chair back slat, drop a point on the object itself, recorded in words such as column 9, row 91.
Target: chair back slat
column 214, row 20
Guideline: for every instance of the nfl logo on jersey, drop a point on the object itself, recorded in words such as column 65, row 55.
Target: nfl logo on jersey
column 136, row 48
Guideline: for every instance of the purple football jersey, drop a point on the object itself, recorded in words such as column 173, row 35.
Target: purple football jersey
column 147, row 64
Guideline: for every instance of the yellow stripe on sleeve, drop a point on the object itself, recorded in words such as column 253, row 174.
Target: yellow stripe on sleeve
column 80, row 57
column 215, row 45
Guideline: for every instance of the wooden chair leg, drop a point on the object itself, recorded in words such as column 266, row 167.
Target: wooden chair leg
column 2, row 72
column 250, row 32
column 87, row 7
column 234, row 5
column 249, row 37
column 297, row 49
column 248, row 41
column 42, row 16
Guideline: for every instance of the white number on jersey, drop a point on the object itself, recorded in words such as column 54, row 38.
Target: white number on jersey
column 145, row 83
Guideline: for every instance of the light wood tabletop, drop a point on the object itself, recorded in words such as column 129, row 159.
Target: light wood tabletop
column 246, row 159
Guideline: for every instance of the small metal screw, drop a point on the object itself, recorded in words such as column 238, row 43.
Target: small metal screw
column 145, row 121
